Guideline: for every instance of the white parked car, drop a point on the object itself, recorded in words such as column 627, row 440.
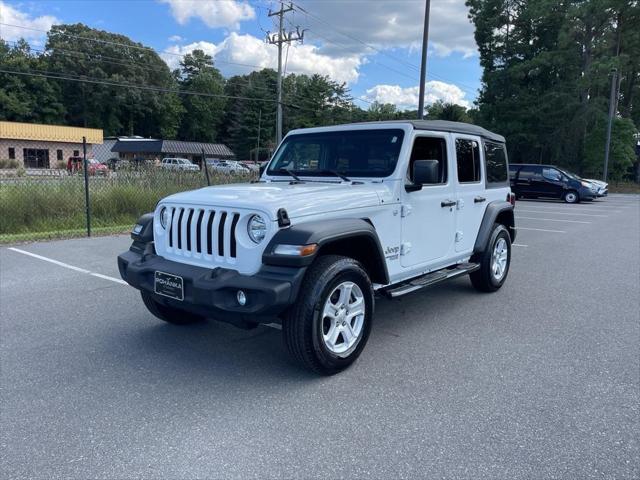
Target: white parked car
column 179, row 164
column 230, row 167
column 340, row 213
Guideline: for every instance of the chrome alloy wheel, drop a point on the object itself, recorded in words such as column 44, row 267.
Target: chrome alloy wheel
column 499, row 259
column 343, row 319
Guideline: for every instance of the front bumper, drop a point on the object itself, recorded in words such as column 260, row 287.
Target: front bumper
column 586, row 194
column 213, row 292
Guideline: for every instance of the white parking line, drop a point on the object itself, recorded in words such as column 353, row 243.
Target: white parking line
column 561, row 213
column 518, row 245
column 540, row 230
column 551, row 219
column 603, row 208
column 70, row 267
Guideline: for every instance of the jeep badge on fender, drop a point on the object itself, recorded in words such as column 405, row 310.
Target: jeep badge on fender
column 340, row 214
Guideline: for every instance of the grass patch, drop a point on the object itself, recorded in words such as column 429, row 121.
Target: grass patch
column 44, row 208
column 624, row 187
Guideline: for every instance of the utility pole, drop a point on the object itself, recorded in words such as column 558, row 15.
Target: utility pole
column 280, row 39
column 423, row 65
column 258, row 145
column 612, row 108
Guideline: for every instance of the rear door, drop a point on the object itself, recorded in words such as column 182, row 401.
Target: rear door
column 523, row 185
column 469, row 188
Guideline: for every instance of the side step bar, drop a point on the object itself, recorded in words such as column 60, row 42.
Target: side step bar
column 431, row 279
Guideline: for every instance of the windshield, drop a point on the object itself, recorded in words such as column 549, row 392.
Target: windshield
column 354, row 153
column 571, row 175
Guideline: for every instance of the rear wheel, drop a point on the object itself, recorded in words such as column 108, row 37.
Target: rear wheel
column 169, row 314
column 328, row 326
column 571, row 197
column 494, row 261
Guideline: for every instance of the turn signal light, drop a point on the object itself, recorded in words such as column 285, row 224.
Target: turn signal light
column 296, row 250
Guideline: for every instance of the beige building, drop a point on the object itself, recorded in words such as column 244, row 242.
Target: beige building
column 44, row 146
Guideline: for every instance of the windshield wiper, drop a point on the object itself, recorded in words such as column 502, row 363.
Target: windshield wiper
column 289, row 172
column 337, row 174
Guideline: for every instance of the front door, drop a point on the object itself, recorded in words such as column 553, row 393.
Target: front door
column 428, row 215
column 471, row 200
column 552, row 184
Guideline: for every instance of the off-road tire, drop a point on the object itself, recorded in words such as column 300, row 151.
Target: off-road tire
column 484, row 279
column 571, row 197
column 169, row 314
column 302, row 324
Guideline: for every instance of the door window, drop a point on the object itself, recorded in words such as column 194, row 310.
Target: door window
column 551, row 174
column 468, row 157
column 430, row 148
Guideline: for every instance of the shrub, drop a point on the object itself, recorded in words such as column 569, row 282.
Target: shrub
column 8, row 163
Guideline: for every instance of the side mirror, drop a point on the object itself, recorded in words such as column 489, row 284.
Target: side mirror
column 262, row 168
column 426, row 171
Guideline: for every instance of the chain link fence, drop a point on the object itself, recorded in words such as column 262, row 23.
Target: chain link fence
column 51, row 203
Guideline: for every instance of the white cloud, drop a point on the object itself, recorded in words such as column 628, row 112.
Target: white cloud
column 12, row 16
column 389, row 24
column 245, row 53
column 214, row 13
column 175, row 38
column 407, row 98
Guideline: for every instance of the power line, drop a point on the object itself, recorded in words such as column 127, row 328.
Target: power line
column 84, row 79
column 135, row 47
column 99, row 58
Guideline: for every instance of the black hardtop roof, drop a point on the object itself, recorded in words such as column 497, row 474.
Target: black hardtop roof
column 447, row 126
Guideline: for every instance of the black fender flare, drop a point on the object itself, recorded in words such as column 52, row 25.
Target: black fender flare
column 324, row 233
column 491, row 213
column 143, row 229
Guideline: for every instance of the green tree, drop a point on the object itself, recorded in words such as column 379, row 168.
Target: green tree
column 27, row 98
column 441, row 110
column 204, row 114
column 546, row 75
column 78, row 51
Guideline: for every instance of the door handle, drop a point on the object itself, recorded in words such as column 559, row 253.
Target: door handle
column 479, row 200
column 448, row 203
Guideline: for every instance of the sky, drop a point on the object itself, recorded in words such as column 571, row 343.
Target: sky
column 371, row 45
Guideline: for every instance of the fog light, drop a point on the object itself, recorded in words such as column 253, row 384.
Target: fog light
column 242, row 298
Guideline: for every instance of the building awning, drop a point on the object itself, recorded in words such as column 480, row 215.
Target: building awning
column 48, row 133
column 173, row 147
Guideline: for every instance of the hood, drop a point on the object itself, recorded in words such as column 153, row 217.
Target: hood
column 298, row 199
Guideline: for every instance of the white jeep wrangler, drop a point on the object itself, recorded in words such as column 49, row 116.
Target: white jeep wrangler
column 339, row 214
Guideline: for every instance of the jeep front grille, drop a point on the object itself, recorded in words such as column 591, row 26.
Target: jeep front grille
column 202, row 232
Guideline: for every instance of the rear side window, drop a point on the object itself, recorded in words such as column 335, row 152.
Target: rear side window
column 496, row 162
column 468, row 156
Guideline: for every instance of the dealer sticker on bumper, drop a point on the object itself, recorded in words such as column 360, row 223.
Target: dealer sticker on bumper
column 169, row 285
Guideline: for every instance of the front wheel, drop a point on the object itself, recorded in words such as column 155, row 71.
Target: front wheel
column 328, row 326
column 494, row 261
column 571, row 197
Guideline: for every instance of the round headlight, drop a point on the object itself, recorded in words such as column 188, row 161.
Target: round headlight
column 256, row 228
column 164, row 217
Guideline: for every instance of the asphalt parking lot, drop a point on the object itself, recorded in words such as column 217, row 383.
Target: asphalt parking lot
column 538, row 380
